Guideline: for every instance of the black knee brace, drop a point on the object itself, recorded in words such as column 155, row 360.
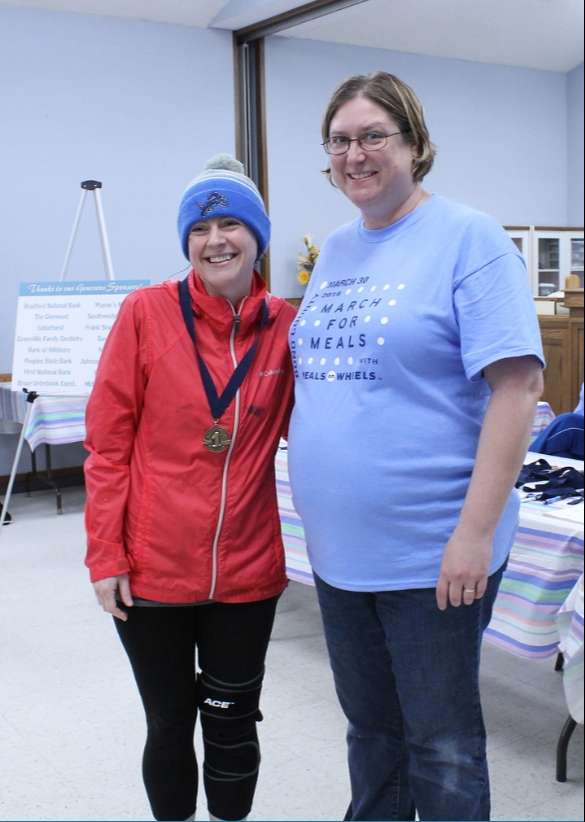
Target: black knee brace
column 229, row 713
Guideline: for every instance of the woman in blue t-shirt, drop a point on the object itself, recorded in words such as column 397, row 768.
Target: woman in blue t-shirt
column 418, row 363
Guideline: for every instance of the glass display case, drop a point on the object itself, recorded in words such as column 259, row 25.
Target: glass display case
column 577, row 258
column 550, row 255
column 548, row 271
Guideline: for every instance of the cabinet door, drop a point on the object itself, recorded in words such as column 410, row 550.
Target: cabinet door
column 578, row 356
column 521, row 237
column 556, row 342
column 575, row 251
column 547, row 263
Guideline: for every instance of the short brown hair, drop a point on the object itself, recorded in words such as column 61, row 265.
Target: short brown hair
column 401, row 103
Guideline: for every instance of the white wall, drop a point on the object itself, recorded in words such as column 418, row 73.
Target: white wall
column 501, row 135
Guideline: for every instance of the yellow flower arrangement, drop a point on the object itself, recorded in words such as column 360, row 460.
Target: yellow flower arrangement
column 306, row 260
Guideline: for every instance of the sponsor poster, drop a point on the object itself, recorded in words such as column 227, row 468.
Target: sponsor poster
column 61, row 328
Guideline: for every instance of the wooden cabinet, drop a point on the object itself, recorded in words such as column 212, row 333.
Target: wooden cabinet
column 562, row 340
column 557, row 376
column 551, row 254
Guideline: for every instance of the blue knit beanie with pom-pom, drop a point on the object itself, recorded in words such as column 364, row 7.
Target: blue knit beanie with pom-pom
column 223, row 190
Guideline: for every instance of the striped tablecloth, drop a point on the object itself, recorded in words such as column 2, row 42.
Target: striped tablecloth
column 545, row 563
column 544, row 415
column 59, row 420
column 54, row 420
column 298, row 567
column 12, row 404
column 570, row 625
column 545, row 566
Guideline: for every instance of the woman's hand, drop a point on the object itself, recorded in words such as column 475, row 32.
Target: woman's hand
column 106, row 590
column 516, row 384
column 464, row 569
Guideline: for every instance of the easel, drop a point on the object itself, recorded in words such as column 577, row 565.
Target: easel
column 31, row 396
column 87, row 186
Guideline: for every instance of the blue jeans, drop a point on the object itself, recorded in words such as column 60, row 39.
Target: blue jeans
column 407, row 678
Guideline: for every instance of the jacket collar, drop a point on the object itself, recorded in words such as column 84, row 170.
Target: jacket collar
column 220, row 313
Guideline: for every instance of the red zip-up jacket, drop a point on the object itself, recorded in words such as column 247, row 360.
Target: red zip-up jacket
column 188, row 525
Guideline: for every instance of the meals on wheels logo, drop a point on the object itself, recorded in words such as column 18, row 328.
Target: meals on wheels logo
column 339, row 333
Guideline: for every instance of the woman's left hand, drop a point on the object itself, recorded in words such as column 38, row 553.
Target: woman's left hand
column 464, row 569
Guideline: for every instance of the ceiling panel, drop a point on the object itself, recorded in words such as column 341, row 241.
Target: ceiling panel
column 541, row 34
column 184, row 12
column 237, row 14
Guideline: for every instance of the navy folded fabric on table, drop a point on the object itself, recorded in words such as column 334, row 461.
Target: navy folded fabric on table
column 541, row 479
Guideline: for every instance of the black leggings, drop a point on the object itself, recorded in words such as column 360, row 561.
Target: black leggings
column 231, row 642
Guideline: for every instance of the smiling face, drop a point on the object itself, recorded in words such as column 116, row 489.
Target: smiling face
column 222, row 250
column 378, row 182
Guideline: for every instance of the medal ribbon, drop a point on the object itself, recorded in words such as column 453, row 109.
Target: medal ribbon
column 218, row 404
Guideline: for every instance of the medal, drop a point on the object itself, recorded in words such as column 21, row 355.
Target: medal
column 216, row 439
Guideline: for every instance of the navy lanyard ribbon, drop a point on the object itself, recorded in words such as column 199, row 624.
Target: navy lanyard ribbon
column 218, row 404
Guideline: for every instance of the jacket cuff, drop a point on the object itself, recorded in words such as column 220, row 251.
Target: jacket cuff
column 105, row 559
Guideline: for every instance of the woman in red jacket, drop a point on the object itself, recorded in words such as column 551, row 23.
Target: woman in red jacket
column 192, row 394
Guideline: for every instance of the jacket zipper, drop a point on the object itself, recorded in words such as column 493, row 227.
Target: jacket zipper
column 226, row 465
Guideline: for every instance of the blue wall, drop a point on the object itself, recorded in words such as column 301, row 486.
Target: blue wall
column 137, row 105
column 501, row 134
column 141, row 106
column 575, row 146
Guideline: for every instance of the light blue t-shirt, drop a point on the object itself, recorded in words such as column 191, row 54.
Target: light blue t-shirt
column 388, row 347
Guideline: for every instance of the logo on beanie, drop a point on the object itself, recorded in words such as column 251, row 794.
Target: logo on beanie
column 215, row 200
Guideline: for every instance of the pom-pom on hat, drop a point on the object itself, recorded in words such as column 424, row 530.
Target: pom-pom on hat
column 223, row 190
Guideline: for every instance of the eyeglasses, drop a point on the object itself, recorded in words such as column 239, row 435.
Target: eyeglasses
column 369, row 141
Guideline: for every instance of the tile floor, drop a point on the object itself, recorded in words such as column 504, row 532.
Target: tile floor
column 71, row 725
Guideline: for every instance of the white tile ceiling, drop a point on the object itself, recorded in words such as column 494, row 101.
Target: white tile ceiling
column 541, row 34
